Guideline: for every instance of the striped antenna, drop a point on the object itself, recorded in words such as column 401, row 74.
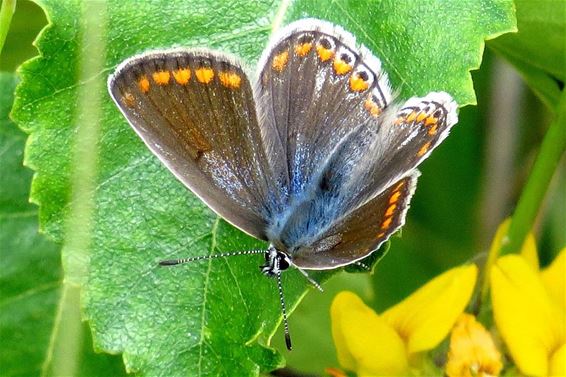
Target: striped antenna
column 283, row 309
column 173, row 262
column 311, row 280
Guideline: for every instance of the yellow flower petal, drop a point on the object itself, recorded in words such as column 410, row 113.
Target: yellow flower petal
column 529, row 322
column 472, row 351
column 554, row 279
column 558, row 362
column 425, row 317
column 528, row 251
column 364, row 342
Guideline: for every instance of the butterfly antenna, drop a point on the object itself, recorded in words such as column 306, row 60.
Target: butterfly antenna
column 311, row 280
column 173, row 262
column 284, row 310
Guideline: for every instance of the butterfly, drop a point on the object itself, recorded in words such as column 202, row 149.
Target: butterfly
column 312, row 155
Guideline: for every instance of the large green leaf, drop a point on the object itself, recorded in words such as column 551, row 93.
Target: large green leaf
column 210, row 318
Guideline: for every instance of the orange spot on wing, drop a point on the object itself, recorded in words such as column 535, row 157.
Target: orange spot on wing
column 182, row 76
column 421, row 117
column 341, row 67
column 380, row 234
column 430, row 121
column 324, row 54
column 423, row 149
column 432, row 130
column 303, row 49
column 161, row 77
column 393, row 199
column 411, row 117
column 230, row 79
column 204, row 75
column 391, row 210
column 399, row 185
column 280, row 61
column 143, row 83
column 357, row 84
column 372, row 107
column 386, row 223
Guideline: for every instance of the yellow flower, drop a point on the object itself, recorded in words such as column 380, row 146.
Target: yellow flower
column 384, row 345
column 529, row 311
column 528, row 251
column 472, row 351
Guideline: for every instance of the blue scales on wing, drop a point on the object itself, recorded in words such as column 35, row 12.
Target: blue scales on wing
column 337, row 145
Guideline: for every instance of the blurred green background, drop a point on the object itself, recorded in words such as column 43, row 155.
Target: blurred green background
column 27, row 22
column 468, row 186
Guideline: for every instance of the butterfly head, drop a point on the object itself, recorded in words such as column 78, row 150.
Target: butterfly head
column 275, row 261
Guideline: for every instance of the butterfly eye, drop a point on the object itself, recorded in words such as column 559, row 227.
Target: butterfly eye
column 283, row 261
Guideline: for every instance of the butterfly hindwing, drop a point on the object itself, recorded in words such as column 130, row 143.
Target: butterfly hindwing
column 404, row 139
column 399, row 142
column 195, row 110
column 362, row 231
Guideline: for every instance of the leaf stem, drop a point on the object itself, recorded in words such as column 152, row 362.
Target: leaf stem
column 6, row 12
column 551, row 150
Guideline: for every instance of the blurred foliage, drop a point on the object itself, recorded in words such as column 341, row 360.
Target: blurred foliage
column 26, row 24
column 543, row 65
column 443, row 225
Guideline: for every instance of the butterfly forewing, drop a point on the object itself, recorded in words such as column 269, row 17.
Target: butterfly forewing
column 314, row 87
column 359, row 233
column 195, row 110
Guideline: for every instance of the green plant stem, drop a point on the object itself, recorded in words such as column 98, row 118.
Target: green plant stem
column 551, row 150
column 6, row 12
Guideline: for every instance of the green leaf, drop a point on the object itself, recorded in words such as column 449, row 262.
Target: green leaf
column 209, row 318
column 538, row 50
column 30, row 272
